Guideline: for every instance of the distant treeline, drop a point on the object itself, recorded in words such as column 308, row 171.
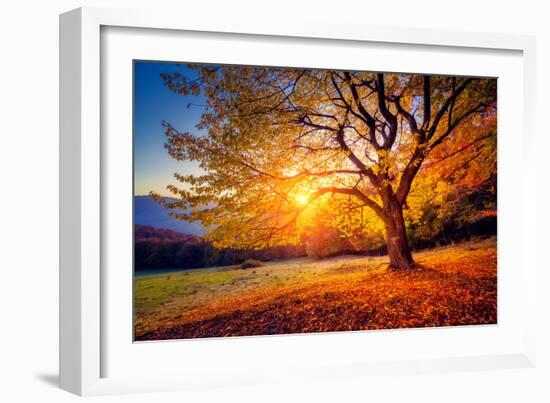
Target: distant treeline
column 467, row 216
column 329, row 242
column 157, row 248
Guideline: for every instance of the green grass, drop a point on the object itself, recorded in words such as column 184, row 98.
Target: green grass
column 169, row 295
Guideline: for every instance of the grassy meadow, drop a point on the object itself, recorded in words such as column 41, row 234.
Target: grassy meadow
column 452, row 285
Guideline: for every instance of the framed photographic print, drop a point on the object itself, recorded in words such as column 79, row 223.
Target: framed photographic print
column 301, row 196
column 349, row 191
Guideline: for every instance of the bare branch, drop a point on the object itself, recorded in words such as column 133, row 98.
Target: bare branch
column 446, row 106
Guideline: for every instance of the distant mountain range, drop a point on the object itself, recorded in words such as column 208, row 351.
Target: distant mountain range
column 149, row 212
column 150, row 233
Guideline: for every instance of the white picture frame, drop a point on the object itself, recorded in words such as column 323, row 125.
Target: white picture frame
column 84, row 340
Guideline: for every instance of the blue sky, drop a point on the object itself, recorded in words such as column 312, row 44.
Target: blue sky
column 153, row 102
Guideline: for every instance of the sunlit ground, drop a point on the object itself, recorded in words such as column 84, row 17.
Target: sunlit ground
column 455, row 285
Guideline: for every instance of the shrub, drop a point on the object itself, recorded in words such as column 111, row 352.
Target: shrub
column 249, row 263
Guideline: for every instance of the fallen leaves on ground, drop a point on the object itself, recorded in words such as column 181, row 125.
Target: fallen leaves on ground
column 449, row 287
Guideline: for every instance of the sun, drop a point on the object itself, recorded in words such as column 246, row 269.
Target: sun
column 302, row 199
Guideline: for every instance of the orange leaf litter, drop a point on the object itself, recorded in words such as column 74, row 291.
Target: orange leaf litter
column 448, row 288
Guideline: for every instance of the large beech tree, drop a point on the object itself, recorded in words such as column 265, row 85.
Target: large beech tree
column 282, row 144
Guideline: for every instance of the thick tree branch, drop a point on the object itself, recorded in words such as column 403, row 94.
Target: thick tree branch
column 272, row 231
column 477, row 109
column 420, row 153
column 306, row 120
column 408, row 174
column 390, row 118
column 353, row 192
column 450, row 101
column 354, row 159
column 427, row 103
column 305, row 173
column 406, row 115
column 367, row 117
column 346, row 105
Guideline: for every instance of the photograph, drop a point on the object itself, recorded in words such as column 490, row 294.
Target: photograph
column 275, row 200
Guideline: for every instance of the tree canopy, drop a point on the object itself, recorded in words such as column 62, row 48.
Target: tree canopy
column 288, row 151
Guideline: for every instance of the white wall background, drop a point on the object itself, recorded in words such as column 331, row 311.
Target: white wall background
column 29, row 197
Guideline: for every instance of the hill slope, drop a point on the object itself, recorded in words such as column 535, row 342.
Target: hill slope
column 148, row 212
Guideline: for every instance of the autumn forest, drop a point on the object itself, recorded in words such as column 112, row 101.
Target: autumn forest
column 326, row 201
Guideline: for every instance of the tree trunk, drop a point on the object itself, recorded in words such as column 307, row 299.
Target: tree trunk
column 396, row 238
